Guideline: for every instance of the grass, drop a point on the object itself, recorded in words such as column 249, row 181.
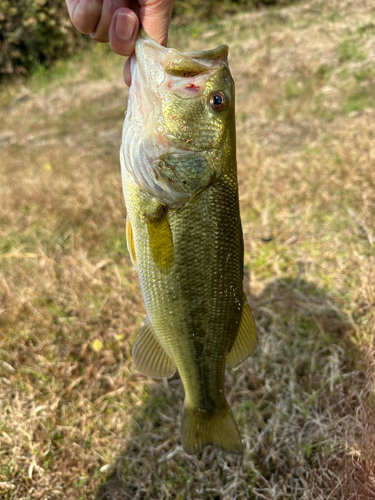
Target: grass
column 76, row 420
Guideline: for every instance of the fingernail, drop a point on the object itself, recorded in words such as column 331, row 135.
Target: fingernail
column 125, row 26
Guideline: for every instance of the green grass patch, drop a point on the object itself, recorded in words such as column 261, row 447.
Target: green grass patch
column 364, row 74
column 349, row 50
column 360, row 100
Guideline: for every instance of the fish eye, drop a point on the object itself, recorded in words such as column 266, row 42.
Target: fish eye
column 218, row 101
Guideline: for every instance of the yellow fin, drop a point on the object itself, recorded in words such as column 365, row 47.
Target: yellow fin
column 246, row 339
column 161, row 243
column 149, row 357
column 130, row 242
column 217, row 428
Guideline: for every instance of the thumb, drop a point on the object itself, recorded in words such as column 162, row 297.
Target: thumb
column 155, row 17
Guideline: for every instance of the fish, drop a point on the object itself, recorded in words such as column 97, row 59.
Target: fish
column 183, row 231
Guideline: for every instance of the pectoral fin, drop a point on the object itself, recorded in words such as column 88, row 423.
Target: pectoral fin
column 161, row 243
column 130, row 242
column 149, row 357
column 246, row 339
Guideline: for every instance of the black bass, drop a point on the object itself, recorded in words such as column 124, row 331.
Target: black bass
column 184, row 236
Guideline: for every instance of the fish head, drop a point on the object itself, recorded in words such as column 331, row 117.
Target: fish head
column 198, row 99
column 180, row 104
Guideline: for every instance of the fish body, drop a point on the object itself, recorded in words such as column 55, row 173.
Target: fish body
column 178, row 162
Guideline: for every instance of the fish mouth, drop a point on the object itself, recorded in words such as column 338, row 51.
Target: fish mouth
column 175, row 66
column 188, row 63
column 178, row 73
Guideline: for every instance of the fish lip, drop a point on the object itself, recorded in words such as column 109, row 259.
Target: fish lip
column 142, row 35
column 219, row 53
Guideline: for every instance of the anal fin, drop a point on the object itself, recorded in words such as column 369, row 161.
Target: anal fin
column 246, row 339
column 149, row 357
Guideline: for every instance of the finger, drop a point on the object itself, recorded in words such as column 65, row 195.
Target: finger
column 123, row 32
column 101, row 31
column 155, row 16
column 127, row 72
column 84, row 14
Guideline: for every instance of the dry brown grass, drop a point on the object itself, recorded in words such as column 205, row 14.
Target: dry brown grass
column 76, row 421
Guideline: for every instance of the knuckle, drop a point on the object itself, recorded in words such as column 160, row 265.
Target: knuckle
column 99, row 37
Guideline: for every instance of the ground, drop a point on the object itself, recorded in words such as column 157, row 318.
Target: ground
column 76, row 420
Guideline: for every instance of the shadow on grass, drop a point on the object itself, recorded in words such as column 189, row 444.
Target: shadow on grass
column 293, row 399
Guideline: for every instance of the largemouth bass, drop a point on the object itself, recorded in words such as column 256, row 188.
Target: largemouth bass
column 184, row 235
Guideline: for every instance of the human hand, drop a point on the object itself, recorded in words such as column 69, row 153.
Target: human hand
column 117, row 22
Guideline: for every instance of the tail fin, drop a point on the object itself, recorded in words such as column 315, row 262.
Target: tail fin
column 218, row 428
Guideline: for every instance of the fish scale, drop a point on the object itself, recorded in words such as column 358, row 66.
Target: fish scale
column 185, row 239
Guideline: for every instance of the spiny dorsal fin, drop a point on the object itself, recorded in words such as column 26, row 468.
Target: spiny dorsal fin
column 246, row 339
column 161, row 242
column 130, row 242
column 149, row 357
